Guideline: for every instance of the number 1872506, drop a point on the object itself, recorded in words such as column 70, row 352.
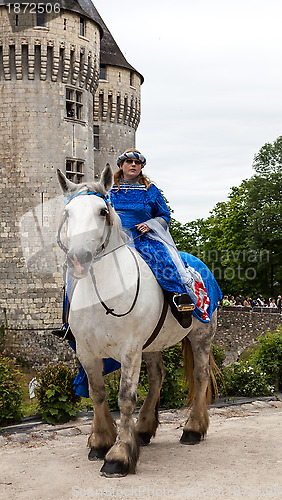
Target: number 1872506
column 33, row 8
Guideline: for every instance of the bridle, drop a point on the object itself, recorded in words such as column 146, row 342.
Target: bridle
column 98, row 253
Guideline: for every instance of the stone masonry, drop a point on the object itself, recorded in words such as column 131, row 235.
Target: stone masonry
column 236, row 331
column 51, row 97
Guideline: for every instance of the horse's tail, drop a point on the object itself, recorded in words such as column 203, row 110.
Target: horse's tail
column 188, row 359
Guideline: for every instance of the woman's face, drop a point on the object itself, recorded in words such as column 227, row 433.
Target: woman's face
column 131, row 169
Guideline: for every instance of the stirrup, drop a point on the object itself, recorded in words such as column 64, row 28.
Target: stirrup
column 64, row 333
column 183, row 303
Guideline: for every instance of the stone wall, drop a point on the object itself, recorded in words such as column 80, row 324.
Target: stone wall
column 36, row 350
column 237, row 330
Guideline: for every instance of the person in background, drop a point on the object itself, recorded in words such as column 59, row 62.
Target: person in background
column 247, row 301
column 279, row 303
column 225, row 301
column 239, row 300
column 272, row 304
column 232, row 300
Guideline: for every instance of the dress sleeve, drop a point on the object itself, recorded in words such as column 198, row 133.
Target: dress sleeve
column 157, row 204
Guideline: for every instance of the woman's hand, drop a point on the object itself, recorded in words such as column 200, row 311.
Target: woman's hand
column 142, row 227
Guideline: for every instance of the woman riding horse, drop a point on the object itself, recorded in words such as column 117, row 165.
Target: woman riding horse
column 145, row 218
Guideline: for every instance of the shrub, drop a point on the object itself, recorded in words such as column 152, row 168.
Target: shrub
column 269, row 356
column 219, row 355
column 245, row 379
column 56, row 398
column 112, row 387
column 173, row 393
column 10, row 392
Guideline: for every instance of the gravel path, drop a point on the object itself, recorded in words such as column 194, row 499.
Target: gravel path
column 240, row 458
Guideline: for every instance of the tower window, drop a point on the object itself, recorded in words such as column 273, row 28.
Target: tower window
column 82, row 27
column 131, row 78
column 96, row 136
column 75, row 170
column 41, row 18
column 65, row 24
column 74, row 104
column 103, row 72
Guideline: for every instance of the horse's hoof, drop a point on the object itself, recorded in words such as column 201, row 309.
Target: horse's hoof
column 97, row 454
column 190, row 437
column 144, row 438
column 114, row 469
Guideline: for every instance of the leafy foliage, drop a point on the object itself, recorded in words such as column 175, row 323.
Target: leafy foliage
column 173, row 392
column 10, row 392
column 246, row 379
column 56, row 398
column 241, row 240
column 219, row 355
column 269, row 356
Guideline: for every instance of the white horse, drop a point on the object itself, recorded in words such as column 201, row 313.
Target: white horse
column 111, row 275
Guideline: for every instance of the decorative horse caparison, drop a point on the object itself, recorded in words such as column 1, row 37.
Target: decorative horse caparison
column 96, row 248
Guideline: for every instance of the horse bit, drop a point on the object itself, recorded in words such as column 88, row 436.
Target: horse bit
column 97, row 255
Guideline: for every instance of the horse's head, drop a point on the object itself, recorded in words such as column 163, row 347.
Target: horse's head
column 88, row 216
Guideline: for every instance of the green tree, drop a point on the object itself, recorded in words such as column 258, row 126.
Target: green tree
column 241, row 240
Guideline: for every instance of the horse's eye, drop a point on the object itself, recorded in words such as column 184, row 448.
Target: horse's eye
column 103, row 212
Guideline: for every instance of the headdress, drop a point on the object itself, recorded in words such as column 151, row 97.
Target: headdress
column 131, row 156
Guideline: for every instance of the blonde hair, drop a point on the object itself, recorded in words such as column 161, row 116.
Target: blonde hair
column 118, row 176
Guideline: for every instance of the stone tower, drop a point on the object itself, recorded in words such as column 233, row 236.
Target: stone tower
column 49, row 75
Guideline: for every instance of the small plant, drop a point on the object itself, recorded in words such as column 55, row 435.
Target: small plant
column 245, row 379
column 173, row 392
column 10, row 391
column 219, row 355
column 56, row 398
column 269, row 356
column 112, row 388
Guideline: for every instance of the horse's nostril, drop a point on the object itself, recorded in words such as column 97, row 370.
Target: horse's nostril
column 79, row 257
column 84, row 258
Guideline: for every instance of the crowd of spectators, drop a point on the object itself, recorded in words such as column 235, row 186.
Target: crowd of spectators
column 259, row 301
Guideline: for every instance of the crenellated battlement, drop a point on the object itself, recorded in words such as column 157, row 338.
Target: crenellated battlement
column 56, row 52
column 117, row 107
column 48, row 59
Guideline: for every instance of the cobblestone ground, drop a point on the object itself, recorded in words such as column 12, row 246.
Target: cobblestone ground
column 240, row 458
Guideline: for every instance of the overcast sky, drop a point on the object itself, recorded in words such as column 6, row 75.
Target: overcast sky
column 212, row 95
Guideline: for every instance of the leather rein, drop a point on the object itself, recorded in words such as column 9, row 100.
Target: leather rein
column 97, row 255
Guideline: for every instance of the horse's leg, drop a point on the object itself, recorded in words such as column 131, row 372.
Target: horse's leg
column 103, row 428
column 122, row 458
column 198, row 421
column 148, row 422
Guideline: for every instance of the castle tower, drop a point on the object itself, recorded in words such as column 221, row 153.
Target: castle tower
column 49, row 69
column 116, row 104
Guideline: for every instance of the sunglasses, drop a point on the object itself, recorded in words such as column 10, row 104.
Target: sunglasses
column 137, row 162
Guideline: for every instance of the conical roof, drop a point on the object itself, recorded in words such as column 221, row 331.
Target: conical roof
column 110, row 52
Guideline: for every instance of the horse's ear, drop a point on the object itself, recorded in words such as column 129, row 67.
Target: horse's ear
column 107, row 178
column 65, row 184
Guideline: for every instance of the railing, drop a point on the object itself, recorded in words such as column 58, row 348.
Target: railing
column 260, row 309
